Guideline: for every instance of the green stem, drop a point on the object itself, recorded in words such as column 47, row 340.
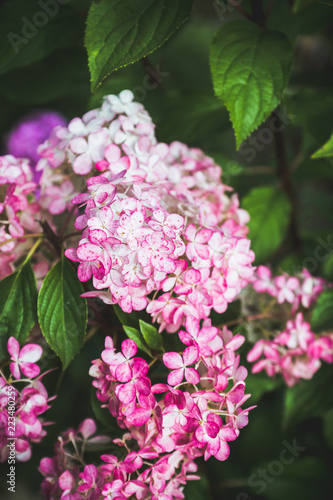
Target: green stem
column 18, row 238
column 33, row 248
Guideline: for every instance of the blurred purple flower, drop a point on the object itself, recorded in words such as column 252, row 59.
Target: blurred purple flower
column 30, row 132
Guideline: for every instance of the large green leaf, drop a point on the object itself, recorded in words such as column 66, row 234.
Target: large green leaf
column 18, row 305
column 322, row 317
column 119, row 32
column 326, row 150
column 269, row 210
column 62, row 312
column 250, row 68
column 31, row 30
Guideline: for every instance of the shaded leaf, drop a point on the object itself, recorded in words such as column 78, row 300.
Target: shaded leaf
column 198, row 490
column 310, row 398
column 62, row 312
column 322, row 316
column 250, row 68
column 119, row 33
column 18, row 305
column 29, row 32
column 270, row 210
column 326, row 150
column 103, row 415
column 126, row 319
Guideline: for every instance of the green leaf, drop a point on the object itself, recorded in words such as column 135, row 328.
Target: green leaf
column 328, row 427
column 64, row 73
column 126, row 319
column 328, row 267
column 29, row 32
column 198, row 490
column 269, row 210
column 120, row 32
column 258, row 384
column 18, row 305
column 322, row 317
column 310, row 398
column 151, row 336
column 135, row 335
column 250, row 69
column 326, row 150
column 62, row 312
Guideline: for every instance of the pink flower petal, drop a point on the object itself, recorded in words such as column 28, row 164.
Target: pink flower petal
column 13, row 347
column 30, row 370
column 192, row 376
column 129, row 348
column 124, row 372
column 176, row 376
column 172, row 360
column 87, row 428
column 191, row 355
column 31, row 353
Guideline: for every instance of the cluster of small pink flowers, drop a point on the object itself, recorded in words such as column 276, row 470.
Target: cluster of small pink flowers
column 302, row 290
column 17, row 210
column 157, row 217
column 200, row 412
column 21, row 409
column 296, row 352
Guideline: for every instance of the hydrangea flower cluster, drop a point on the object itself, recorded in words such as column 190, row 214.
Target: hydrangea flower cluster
column 296, row 352
column 157, row 218
column 21, row 410
column 18, row 209
column 199, row 413
column 297, row 291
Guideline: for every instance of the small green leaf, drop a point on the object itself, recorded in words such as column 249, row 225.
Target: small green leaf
column 250, row 69
column 18, row 305
column 127, row 319
column 134, row 334
column 120, row 32
column 62, row 312
column 322, row 317
column 269, row 210
column 151, row 336
column 326, row 150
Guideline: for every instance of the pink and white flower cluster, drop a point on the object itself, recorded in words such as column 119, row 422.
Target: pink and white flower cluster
column 157, row 218
column 17, row 209
column 21, row 409
column 296, row 352
column 199, row 413
column 302, row 290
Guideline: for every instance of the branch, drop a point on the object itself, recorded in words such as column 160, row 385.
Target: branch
column 283, row 172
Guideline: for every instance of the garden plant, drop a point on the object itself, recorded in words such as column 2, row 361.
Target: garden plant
column 166, row 249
